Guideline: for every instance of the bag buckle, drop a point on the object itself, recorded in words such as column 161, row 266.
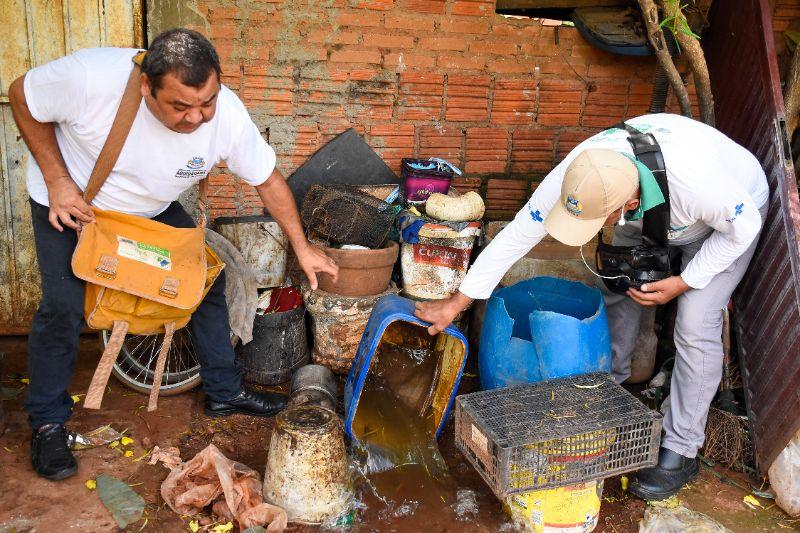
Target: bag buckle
column 169, row 288
column 107, row 267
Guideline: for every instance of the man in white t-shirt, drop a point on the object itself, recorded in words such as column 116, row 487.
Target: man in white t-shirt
column 187, row 122
column 717, row 198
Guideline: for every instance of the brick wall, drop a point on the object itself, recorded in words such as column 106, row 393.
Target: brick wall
column 503, row 98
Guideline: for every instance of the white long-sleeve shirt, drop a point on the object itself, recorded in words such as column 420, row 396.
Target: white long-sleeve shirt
column 715, row 186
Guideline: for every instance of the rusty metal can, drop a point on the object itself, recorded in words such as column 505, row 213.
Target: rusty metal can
column 314, row 385
column 338, row 323
column 307, row 470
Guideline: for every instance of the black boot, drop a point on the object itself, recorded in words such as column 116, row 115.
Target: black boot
column 50, row 455
column 248, row 402
column 665, row 479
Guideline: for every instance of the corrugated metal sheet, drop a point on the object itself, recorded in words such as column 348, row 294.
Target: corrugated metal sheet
column 744, row 74
column 35, row 32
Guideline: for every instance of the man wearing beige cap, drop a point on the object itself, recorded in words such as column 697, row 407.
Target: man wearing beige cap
column 716, row 199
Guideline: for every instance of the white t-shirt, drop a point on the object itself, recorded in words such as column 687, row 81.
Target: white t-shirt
column 715, row 185
column 81, row 92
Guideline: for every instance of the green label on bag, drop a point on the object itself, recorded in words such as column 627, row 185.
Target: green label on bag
column 144, row 253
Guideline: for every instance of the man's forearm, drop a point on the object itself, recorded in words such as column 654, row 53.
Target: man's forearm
column 40, row 137
column 279, row 201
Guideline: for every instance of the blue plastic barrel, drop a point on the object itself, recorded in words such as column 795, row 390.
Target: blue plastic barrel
column 387, row 310
column 543, row 328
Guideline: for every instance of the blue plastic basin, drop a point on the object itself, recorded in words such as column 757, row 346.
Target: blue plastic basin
column 543, row 328
column 450, row 346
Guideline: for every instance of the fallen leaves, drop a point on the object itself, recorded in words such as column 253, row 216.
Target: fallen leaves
column 91, row 484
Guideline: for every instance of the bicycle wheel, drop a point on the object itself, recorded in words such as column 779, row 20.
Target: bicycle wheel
column 136, row 362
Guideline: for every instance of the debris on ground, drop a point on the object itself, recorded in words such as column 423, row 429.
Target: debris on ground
column 97, row 437
column 199, row 482
column 170, row 457
column 670, row 516
column 466, row 506
column 124, row 504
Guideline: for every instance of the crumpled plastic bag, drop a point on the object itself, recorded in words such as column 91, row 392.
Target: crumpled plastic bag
column 170, row 457
column 199, row 482
column 669, row 519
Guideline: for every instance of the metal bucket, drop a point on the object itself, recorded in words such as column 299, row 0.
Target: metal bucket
column 262, row 243
column 314, row 385
column 307, row 472
column 338, row 322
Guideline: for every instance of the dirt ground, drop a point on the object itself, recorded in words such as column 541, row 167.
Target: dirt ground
column 29, row 503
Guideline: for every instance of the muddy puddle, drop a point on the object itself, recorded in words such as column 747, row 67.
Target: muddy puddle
column 401, row 467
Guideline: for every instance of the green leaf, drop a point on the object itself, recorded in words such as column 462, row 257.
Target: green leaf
column 125, row 506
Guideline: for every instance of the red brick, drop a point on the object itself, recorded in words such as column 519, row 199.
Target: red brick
column 463, row 185
column 520, row 30
column 359, row 19
column 443, row 43
column 461, row 63
column 416, row 23
column 543, row 48
column 514, row 102
column 217, row 14
column 559, row 103
column 504, row 197
column 388, row 41
column 639, row 99
column 532, row 151
column 420, row 96
column 356, row 56
column 403, row 61
column 498, row 48
column 467, row 98
column 392, row 142
column 225, row 31
column 372, row 99
column 567, row 140
column 326, row 36
column 379, row 5
column 605, row 105
column 444, row 142
column 464, row 26
column 435, row 7
column 474, row 8
column 486, row 150
column 509, row 65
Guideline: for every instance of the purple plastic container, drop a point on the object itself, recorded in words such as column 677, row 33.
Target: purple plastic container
column 422, row 177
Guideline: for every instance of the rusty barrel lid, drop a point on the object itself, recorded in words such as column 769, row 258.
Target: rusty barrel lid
column 306, row 419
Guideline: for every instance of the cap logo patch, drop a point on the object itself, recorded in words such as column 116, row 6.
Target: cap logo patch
column 573, row 205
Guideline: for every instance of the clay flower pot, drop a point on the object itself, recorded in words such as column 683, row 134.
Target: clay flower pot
column 361, row 272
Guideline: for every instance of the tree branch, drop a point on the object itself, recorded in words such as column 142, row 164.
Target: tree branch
column 656, row 37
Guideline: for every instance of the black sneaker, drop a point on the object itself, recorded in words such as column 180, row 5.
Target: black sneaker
column 665, row 479
column 50, row 455
column 247, row 402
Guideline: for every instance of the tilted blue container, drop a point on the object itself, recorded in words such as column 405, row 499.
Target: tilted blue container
column 450, row 343
column 543, row 328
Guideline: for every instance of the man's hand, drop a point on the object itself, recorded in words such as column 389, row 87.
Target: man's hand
column 313, row 260
column 659, row 292
column 440, row 313
column 67, row 202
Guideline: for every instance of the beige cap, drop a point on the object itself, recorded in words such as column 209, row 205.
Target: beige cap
column 597, row 183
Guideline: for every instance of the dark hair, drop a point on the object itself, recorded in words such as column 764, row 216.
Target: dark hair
column 184, row 53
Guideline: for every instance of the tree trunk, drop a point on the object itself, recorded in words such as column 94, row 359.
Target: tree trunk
column 656, row 37
column 697, row 61
column 791, row 94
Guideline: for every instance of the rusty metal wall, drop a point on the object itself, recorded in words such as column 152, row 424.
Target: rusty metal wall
column 740, row 51
column 35, row 32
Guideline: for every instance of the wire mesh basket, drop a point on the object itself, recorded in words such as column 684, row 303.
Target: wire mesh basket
column 555, row 433
column 342, row 214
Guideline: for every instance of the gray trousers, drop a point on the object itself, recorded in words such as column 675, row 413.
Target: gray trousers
column 698, row 342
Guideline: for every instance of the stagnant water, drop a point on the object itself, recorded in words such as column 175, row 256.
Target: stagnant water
column 396, row 447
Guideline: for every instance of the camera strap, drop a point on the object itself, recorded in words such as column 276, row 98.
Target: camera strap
column 655, row 225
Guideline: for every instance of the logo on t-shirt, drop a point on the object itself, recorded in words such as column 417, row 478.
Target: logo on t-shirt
column 195, row 168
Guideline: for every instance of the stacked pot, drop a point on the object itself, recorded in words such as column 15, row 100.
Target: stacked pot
column 340, row 309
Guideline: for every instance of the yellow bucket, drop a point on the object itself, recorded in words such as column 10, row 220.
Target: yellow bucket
column 570, row 509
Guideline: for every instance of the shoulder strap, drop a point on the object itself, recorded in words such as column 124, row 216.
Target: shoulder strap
column 655, row 225
column 123, row 121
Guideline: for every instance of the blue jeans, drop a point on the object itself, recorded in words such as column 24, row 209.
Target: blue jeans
column 56, row 327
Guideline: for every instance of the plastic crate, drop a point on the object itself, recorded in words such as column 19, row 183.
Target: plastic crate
column 555, row 433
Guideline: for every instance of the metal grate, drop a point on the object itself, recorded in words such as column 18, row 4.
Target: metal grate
column 342, row 214
column 555, row 433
